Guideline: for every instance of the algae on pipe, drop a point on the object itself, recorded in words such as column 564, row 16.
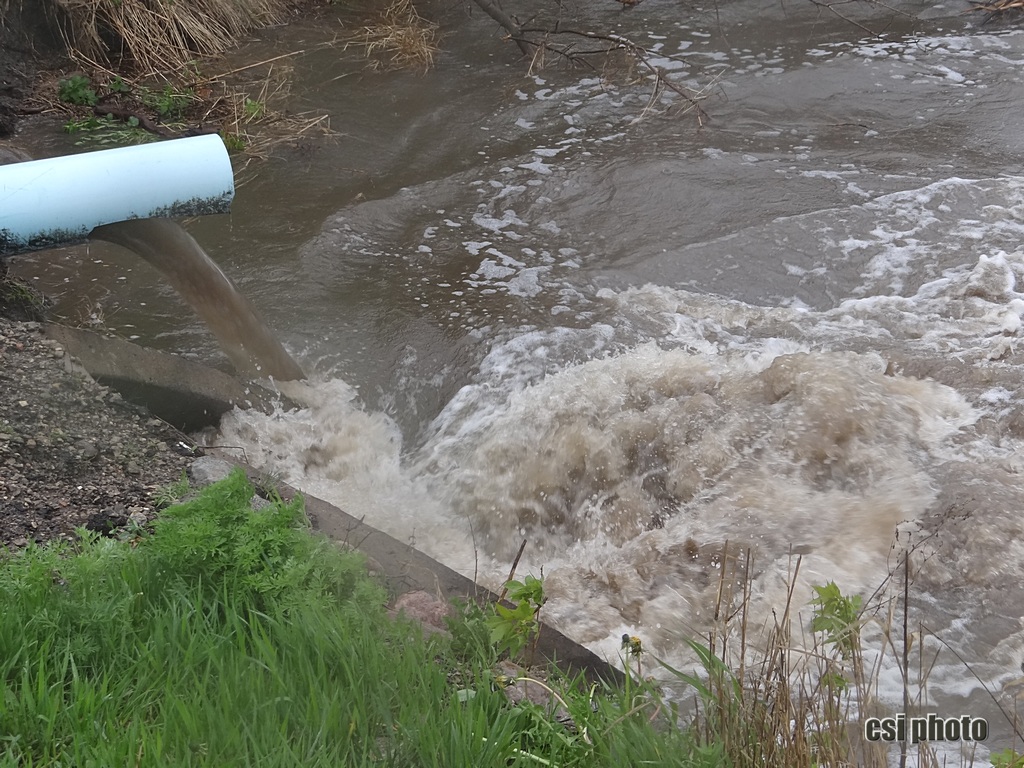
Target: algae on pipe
column 60, row 200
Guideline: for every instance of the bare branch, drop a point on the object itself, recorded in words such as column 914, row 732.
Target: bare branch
column 612, row 42
column 515, row 32
column 831, row 6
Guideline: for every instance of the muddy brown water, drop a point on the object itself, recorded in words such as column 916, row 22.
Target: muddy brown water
column 538, row 305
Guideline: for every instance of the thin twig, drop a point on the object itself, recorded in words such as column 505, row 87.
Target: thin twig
column 512, row 571
column 847, row 19
column 236, row 70
column 906, row 648
column 613, row 42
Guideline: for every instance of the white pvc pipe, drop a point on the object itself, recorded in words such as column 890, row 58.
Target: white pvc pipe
column 45, row 203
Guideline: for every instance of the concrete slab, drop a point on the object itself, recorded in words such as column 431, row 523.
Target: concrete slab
column 185, row 394
column 406, row 569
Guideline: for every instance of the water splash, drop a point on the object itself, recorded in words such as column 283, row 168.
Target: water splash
column 243, row 336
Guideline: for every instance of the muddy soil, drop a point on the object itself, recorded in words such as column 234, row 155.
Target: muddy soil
column 27, row 46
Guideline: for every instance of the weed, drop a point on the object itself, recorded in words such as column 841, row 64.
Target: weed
column 404, row 37
column 235, row 142
column 87, row 124
column 118, row 85
column 267, row 485
column 471, row 634
column 216, row 536
column 254, row 109
column 634, row 648
column 838, row 616
column 1008, row 758
column 106, row 130
column 163, row 36
column 20, row 301
column 512, row 629
column 77, row 90
column 227, row 636
column 170, row 104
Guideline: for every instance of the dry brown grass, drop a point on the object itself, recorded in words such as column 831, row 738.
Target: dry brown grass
column 154, row 36
column 776, row 700
column 254, row 111
column 401, row 39
column 773, row 697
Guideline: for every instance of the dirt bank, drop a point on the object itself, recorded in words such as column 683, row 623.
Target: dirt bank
column 72, row 453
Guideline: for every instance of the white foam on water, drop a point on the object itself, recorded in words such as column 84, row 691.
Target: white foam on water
column 643, row 450
column 334, row 449
column 908, row 227
column 967, row 532
column 628, row 474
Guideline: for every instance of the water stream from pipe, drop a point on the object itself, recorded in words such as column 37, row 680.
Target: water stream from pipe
column 244, row 337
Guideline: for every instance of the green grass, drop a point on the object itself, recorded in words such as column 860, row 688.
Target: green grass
column 227, row 637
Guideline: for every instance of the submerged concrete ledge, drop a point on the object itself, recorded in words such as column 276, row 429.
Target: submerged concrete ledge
column 184, row 393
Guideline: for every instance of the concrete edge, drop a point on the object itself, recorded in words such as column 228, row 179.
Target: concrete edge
column 191, row 396
column 187, row 395
column 406, row 569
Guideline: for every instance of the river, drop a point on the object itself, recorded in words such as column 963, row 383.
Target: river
column 541, row 305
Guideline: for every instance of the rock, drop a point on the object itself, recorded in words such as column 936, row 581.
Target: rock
column 423, row 607
column 107, row 521
column 86, row 449
column 258, row 502
column 520, row 685
column 207, row 470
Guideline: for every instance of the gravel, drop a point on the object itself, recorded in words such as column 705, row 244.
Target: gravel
column 73, row 453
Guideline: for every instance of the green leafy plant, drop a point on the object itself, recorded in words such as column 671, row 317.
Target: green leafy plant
column 77, row 90
column 838, row 616
column 1007, row 758
column 217, row 536
column 169, row 103
column 512, row 629
column 254, row 109
column 717, row 678
column 835, row 683
column 118, row 85
column 267, row 485
column 228, row 635
column 471, row 634
column 235, row 142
